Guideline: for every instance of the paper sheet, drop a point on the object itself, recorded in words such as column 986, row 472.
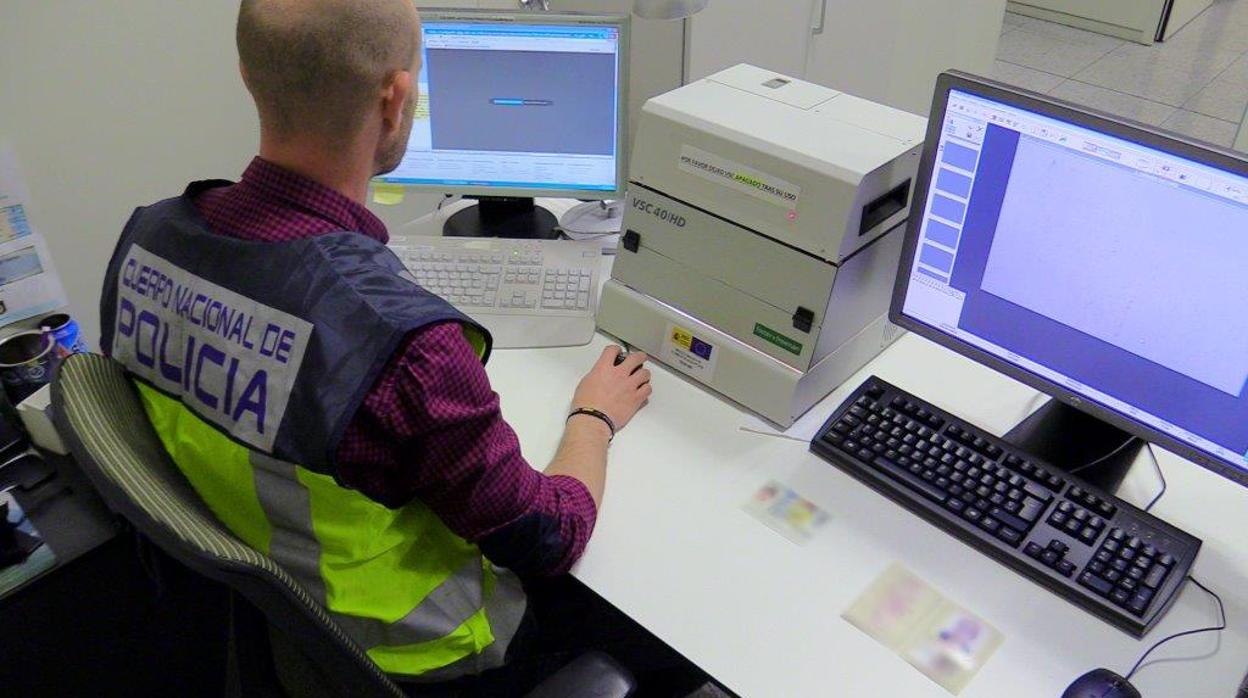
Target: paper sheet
column 29, row 285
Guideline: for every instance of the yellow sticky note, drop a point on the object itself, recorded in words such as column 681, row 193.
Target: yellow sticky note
column 388, row 194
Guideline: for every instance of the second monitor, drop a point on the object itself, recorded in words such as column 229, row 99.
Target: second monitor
column 516, row 106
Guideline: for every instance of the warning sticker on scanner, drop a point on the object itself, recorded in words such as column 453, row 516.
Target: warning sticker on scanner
column 688, row 353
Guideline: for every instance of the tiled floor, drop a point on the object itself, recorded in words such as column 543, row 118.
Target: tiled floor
column 1195, row 83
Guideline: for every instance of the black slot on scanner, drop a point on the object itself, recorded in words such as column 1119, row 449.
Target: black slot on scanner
column 631, row 241
column 884, row 207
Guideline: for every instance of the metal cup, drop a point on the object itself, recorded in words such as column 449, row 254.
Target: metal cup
column 27, row 360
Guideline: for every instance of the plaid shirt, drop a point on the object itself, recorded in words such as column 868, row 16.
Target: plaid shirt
column 431, row 428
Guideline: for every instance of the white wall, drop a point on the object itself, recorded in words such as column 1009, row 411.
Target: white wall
column 889, row 51
column 112, row 104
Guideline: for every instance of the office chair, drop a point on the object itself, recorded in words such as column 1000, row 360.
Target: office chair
column 281, row 641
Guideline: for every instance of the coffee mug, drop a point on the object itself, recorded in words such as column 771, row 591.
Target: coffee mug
column 27, row 360
column 68, row 334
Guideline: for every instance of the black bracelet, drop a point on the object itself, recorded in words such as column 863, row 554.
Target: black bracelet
column 596, row 413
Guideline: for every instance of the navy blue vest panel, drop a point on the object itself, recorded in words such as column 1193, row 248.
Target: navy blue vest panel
column 275, row 344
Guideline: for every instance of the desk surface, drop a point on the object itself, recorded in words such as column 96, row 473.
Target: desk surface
column 675, row 550
column 71, row 518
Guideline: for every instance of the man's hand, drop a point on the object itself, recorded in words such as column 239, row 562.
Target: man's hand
column 617, row 390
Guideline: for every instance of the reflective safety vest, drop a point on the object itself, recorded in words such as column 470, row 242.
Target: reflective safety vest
column 250, row 359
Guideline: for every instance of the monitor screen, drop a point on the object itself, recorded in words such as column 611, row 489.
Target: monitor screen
column 518, row 105
column 1090, row 264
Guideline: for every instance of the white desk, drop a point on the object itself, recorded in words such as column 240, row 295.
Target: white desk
column 675, row 551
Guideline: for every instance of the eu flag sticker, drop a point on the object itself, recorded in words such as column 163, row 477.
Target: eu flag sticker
column 691, row 355
column 700, row 348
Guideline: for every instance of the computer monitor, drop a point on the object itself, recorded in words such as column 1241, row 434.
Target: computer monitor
column 1099, row 261
column 514, row 106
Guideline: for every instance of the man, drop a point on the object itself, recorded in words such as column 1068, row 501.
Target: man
column 333, row 414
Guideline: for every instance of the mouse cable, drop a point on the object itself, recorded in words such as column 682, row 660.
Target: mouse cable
column 1164, row 484
column 1159, row 643
column 1103, row 458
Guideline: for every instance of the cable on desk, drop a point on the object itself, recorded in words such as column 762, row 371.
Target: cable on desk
column 1216, row 628
column 1164, row 484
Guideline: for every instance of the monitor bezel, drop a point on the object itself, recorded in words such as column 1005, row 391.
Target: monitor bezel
column 621, row 22
column 1143, row 134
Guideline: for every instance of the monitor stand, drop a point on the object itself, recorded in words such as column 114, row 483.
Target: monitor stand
column 502, row 217
column 1070, row 439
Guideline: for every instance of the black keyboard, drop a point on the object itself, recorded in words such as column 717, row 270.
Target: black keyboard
column 1103, row 554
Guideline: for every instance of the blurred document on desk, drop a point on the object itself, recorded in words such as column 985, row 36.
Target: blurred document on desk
column 786, row 512
column 941, row 639
column 29, row 285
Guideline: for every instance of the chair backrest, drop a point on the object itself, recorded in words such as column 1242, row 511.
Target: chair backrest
column 98, row 413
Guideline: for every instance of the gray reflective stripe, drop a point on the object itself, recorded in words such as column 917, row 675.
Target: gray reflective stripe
column 438, row 615
column 287, row 505
column 505, row 611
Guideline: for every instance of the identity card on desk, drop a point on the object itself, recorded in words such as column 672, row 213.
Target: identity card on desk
column 786, row 512
column 941, row 639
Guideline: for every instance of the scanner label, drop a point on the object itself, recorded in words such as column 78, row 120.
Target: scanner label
column 785, row 343
column 739, row 177
column 688, row 353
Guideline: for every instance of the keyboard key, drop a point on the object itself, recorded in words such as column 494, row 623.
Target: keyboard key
column 1119, row 597
column 1032, row 509
column 1009, row 535
column 1155, row 576
column 930, row 491
column 1096, row 584
column 1009, row 519
column 1037, row 491
column 1066, row 568
column 1033, row 550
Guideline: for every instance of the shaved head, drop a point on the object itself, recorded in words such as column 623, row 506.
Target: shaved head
column 317, row 67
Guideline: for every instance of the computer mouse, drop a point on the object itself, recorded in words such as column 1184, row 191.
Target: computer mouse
column 1101, row 683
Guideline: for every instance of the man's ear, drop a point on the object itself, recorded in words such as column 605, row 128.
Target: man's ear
column 394, row 97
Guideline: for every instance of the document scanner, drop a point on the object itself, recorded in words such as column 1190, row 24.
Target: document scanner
column 762, row 234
